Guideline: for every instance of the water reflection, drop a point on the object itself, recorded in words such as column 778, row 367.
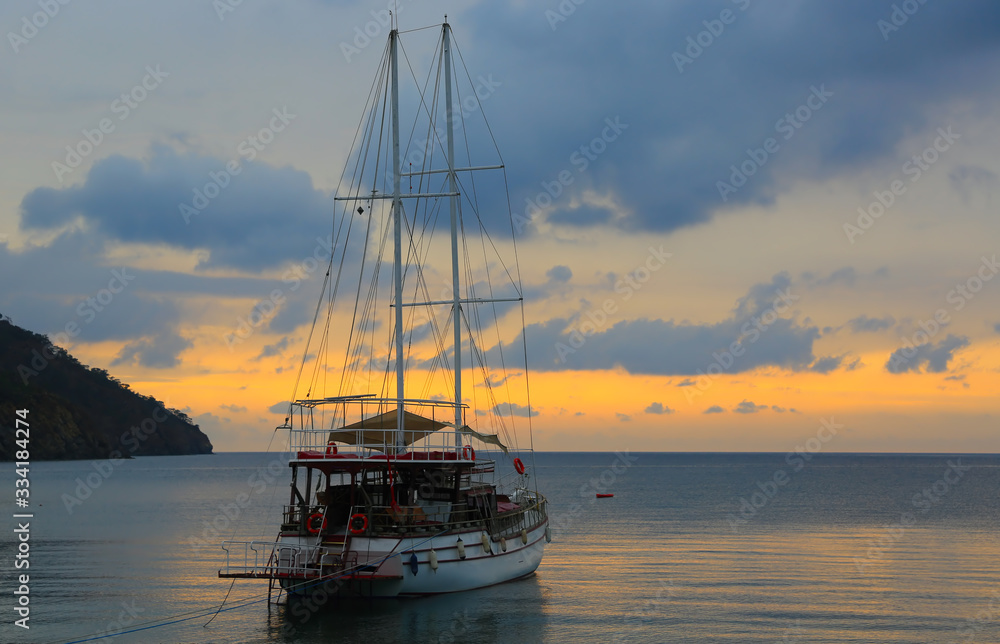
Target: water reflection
column 503, row 613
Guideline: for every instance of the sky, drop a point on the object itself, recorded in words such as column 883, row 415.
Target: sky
column 743, row 225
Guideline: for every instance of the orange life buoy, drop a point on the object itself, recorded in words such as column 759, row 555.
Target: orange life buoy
column 356, row 529
column 468, row 453
column 331, row 448
column 311, row 520
column 518, row 466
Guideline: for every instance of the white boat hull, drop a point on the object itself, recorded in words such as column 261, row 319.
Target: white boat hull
column 384, row 566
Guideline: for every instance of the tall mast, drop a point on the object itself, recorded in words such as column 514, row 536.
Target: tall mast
column 397, row 222
column 453, row 201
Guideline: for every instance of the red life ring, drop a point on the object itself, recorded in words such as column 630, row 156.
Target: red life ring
column 311, row 520
column 468, row 453
column 518, row 466
column 331, row 448
column 355, row 529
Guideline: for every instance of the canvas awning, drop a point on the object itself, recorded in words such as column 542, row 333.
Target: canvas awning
column 492, row 439
column 381, row 429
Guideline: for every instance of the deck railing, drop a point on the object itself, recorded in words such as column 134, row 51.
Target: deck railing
column 311, row 422
column 275, row 559
column 384, row 520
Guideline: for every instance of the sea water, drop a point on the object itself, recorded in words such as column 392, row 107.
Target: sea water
column 691, row 548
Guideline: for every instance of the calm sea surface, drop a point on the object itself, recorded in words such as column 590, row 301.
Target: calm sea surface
column 692, row 548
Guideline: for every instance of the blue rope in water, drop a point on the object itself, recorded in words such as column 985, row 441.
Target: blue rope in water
column 210, row 611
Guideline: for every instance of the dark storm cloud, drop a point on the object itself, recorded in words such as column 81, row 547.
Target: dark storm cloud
column 271, row 350
column 936, row 357
column 687, row 127
column 826, row 364
column 64, row 288
column 559, row 274
column 865, row 324
column 658, row 408
column 668, row 348
column 161, row 353
column 68, row 291
column 748, row 407
column 261, row 218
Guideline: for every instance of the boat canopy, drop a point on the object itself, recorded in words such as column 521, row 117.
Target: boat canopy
column 492, row 439
column 381, row 429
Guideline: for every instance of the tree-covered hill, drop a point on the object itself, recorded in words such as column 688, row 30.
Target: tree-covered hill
column 79, row 412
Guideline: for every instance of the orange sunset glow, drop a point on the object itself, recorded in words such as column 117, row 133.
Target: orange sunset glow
column 705, row 265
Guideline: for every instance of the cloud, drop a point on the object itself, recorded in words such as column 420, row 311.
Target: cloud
column 513, row 409
column 279, row 407
column 687, row 382
column 936, row 357
column 264, row 217
column 210, row 419
column 996, row 327
column 582, row 215
column 865, row 324
column 879, row 97
column 236, row 409
column 846, row 276
column 161, row 353
column 748, row 407
column 826, row 364
column 623, row 418
column 658, row 408
column 714, row 409
column 559, row 274
column 668, row 348
column 271, row 350
column 969, row 180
